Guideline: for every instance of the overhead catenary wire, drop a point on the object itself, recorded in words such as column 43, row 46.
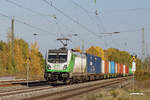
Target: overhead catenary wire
column 27, row 24
column 87, row 12
column 70, row 18
column 39, row 13
column 65, row 26
column 75, row 3
column 134, row 9
column 100, row 21
column 30, row 10
column 125, row 10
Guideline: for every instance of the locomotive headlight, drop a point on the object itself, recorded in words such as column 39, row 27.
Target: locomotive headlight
column 48, row 66
column 65, row 67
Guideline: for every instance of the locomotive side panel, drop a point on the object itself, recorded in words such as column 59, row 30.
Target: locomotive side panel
column 80, row 64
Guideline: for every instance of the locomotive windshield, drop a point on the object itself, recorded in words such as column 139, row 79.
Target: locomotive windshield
column 57, row 57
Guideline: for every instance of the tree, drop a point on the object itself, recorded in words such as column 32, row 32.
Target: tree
column 21, row 51
column 96, row 51
column 36, row 67
column 2, row 45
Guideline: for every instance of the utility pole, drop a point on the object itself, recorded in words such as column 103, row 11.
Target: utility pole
column 28, row 67
column 143, row 47
column 12, row 41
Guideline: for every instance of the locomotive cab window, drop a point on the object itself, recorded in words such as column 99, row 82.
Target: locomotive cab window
column 62, row 57
column 57, row 57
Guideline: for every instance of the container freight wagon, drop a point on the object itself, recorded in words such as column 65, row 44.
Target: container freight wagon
column 121, row 69
column 124, row 70
column 109, row 67
column 106, row 67
column 130, row 70
column 127, row 70
column 112, row 63
column 116, row 68
column 103, row 67
column 93, row 64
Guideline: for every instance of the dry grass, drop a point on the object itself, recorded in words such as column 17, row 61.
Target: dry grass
column 121, row 93
column 117, row 94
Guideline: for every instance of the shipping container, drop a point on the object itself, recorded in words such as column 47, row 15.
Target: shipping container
column 121, row 68
column 106, row 67
column 116, row 68
column 109, row 67
column 124, row 69
column 127, row 69
column 130, row 70
column 93, row 64
column 103, row 67
column 80, row 64
column 112, row 64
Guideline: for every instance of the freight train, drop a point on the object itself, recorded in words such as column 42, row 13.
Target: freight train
column 68, row 66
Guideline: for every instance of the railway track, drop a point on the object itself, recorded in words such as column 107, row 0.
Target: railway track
column 18, row 82
column 60, row 92
column 9, row 83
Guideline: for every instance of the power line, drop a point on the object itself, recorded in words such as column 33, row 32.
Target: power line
column 27, row 24
column 100, row 21
column 75, row 3
column 126, row 10
column 35, row 12
column 134, row 9
column 124, row 31
column 67, row 16
column 87, row 12
column 28, row 9
column 95, row 13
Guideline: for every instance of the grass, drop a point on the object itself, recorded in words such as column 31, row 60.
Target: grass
column 121, row 93
column 116, row 94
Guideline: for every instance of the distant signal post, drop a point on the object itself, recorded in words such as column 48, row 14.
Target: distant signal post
column 133, row 68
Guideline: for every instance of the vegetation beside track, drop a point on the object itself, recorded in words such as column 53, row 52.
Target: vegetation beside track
column 14, row 56
column 121, row 93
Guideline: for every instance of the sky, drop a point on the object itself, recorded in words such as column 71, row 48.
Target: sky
column 62, row 18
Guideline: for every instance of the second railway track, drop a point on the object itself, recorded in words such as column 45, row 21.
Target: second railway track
column 60, row 92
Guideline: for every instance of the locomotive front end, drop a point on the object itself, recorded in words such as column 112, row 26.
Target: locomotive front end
column 56, row 68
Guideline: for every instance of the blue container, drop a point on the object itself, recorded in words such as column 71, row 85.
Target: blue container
column 93, row 64
column 112, row 63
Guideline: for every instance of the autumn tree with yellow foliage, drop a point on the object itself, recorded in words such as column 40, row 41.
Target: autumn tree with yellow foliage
column 36, row 65
column 22, row 51
column 96, row 51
